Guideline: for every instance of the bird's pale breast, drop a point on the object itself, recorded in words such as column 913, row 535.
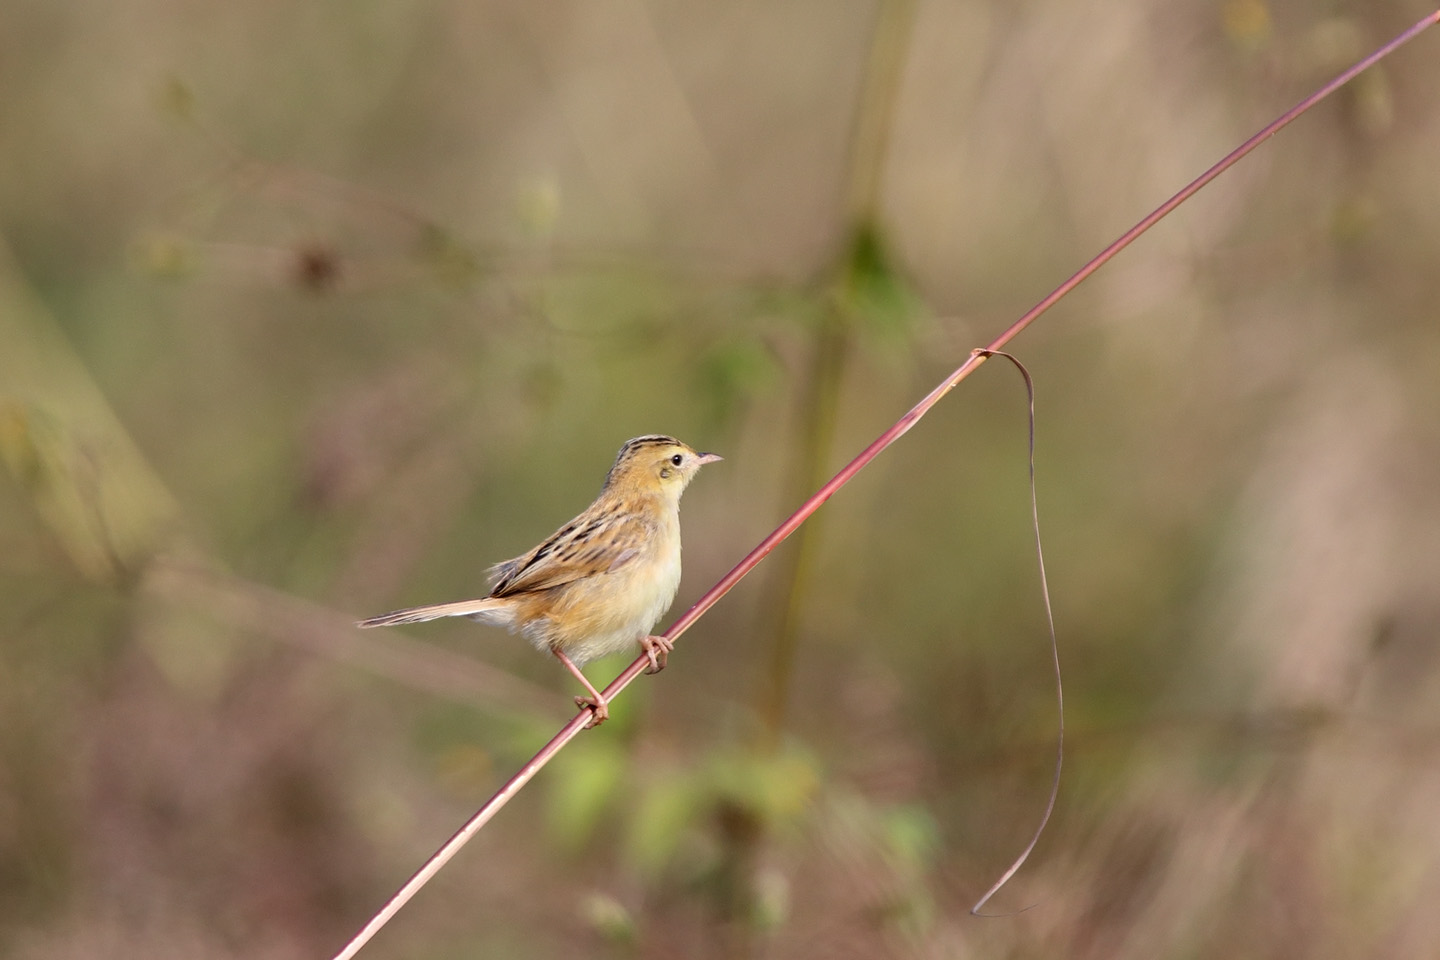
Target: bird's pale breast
column 609, row 612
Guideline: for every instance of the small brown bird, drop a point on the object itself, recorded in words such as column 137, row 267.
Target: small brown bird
column 599, row 583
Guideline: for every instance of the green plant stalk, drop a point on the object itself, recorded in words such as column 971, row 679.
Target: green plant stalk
column 788, row 586
column 871, row 137
column 821, row 401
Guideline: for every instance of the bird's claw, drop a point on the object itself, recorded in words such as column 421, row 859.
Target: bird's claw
column 657, row 649
column 600, row 709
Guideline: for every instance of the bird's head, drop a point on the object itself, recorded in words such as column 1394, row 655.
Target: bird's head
column 656, row 463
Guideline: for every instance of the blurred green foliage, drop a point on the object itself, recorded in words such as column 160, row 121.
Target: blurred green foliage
column 310, row 312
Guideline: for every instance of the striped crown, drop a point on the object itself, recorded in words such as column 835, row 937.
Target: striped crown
column 632, row 449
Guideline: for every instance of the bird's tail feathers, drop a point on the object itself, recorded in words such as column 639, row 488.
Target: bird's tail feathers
column 482, row 609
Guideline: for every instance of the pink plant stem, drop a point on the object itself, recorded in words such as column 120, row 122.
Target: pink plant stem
column 900, row 428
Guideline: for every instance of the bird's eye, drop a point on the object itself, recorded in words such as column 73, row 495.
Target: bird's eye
column 677, row 459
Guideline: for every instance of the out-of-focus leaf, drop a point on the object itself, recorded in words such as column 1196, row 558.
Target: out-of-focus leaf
column 910, row 835
column 609, row 918
column 667, row 805
column 732, row 371
column 76, row 491
column 64, row 444
column 871, row 292
column 777, row 787
column 583, row 787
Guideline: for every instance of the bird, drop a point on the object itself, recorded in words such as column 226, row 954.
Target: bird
column 601, row 581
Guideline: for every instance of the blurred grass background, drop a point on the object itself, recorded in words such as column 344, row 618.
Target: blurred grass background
column 308, row 312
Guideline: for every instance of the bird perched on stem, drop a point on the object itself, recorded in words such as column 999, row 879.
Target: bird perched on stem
column 599, row 583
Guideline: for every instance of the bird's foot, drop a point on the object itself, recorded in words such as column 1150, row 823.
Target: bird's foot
column 658, row 650
column 600, row 708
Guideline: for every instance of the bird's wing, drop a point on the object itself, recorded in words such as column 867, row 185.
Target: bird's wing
column 586, row 546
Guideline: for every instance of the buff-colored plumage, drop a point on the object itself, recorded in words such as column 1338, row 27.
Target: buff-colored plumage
column 601, row 582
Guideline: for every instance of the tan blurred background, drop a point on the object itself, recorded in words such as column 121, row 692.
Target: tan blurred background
column 309, row 311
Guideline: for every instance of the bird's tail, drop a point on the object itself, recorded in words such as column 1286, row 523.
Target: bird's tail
column 485, row 608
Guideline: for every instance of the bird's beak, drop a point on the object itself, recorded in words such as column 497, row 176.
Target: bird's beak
column 705, row 458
